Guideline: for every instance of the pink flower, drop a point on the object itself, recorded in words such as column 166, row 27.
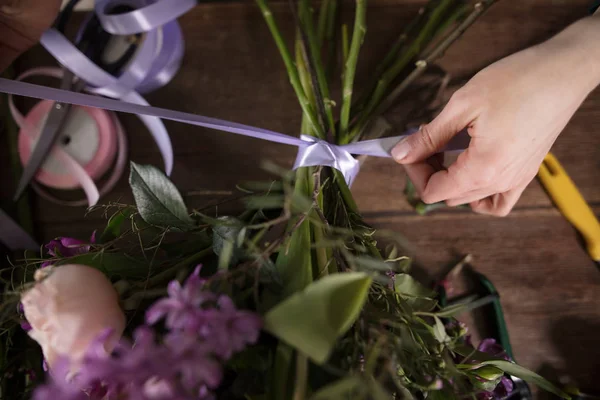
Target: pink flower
column 68, row 307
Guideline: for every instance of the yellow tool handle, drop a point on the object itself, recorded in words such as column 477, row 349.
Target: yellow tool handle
column 571, row 203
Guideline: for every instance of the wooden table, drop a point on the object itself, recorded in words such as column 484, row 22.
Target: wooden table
column 549, row 288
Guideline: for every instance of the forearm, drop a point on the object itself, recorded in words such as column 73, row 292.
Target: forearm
column 576, row 51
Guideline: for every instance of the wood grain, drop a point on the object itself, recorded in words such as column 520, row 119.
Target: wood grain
column 231, row 70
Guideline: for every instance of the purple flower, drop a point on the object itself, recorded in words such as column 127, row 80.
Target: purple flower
column 230, row 330
column 504, row 388
column 59, row 386
column 216, row 320
column 194, row 361
column 129, row 364
column 67, row 247
column 490, row 346
column 182, row 307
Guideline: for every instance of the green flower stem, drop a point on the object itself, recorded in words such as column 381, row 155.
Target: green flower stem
column 345, row 45
column 392, row 54
column 350, row 68
column 323, row 22
column 330, row 32
column 307, row 107
column 345, row 191
column 437, row 52
column 304, row 81
column 301, row 376
column 314, row 62
column 392, row 73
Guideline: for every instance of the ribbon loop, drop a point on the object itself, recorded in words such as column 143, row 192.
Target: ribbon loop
column 151, row 15
column 319, row 152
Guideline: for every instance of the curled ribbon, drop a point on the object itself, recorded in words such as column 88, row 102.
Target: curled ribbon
column 311, row 150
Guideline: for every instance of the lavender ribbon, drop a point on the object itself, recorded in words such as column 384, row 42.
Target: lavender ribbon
column 157, row 59
column 156, row 62
column 311, row 152
column 13, row 236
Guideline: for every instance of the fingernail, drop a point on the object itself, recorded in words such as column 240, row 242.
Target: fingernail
column 400, row 151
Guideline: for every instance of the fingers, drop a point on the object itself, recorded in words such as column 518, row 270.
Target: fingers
column 470, row 197
column 499, row 204
column 434, row 136
column 21, row 24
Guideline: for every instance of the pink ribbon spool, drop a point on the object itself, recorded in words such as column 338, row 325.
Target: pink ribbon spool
column 95, row 141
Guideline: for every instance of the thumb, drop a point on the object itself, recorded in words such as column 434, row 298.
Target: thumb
column 433, row 137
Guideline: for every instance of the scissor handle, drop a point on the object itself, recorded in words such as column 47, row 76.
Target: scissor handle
column 571, row 203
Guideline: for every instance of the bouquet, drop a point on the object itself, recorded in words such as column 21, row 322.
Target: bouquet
column 293, row 298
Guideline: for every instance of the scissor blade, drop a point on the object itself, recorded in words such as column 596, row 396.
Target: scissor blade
column 46, row 139
column 54, row 122
column 13, row 236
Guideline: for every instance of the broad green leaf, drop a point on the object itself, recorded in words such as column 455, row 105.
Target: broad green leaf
column 488, row 372
column 407, row 285
column 282, row 373
column 294, row 261
column 372, row 264
column 226, row 241
column 417, row 295
column 440, row 331
column 378, row 392
column 113, row 227
column 112, row 265
column 270, row 201
column 339, row 389
column 451, row 311
column 313, row 319
column 157, row 199
column 520, row 372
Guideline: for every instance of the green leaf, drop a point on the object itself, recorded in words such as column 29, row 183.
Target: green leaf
column 267, row 202
column 282, row 381
column 157, row 199
column 520, row 372
column 294, row 261
column 226, row 241
column 488, row 372
column 113, row 227
column 112, row 265
column 439, row 331
column 312, row 320
column 339, row 389
column 451, row 311
column 417, row 295
column 406, row 285
column 378, row 392
column 369, row 263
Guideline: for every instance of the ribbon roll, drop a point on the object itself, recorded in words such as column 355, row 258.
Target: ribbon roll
column 312, row 151
column 91, row 142
column 156, row 61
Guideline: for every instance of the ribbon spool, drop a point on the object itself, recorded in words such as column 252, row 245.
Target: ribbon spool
column 91, row 142
column 94, row 139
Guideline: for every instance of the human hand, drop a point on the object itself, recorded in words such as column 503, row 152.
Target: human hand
column 513, row 110
column 22, row 22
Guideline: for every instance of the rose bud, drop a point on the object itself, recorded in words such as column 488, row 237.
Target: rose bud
column 68, row 307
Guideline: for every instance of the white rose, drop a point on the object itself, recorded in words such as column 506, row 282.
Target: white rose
column 68, row 307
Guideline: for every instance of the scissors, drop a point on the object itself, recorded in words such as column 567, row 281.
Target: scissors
column 93, row 42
